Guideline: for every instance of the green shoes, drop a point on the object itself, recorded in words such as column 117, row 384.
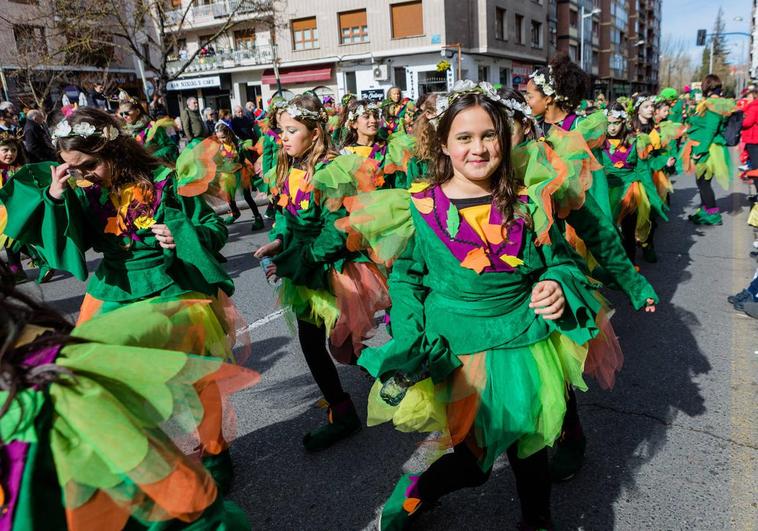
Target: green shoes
column 568, row 458
column 703, row 216
column 343, row 422
column 221, row 469
column 401, row 505
column 257, row 224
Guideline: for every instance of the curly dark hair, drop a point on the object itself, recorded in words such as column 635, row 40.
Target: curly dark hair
column 518, row 116
column 504, row 185
column 571, row 83
column 12, row 140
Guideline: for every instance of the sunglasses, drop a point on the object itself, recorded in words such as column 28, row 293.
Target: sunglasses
column 124, row 114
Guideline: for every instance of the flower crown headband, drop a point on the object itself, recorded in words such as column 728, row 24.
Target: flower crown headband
column 640, row 101
column 7, row 135
column 84, row 130
column 546, row 83
column 296, row 111
column 360, row 110
column 615, row 113
column 463, row 87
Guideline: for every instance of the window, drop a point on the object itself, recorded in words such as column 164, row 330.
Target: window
column 574, row 19
column 573, row 52
column 351, row 84
column 304, row 34
column 501, row 23
column 400, row 80
column 244, row 38
column 484, row 73
column 595, row 59
column 30, row 39
column 353, row 27
column 407, row 20
column 505, row 77
column 433, row 81
column 536, row 34
column 176, row 4
column 595, row 29
column 519, row 26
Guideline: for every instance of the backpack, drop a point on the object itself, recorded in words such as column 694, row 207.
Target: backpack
column 733, row 128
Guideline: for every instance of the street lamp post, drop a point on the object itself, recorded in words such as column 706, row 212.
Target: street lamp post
column 457, row 46
column 581, row 32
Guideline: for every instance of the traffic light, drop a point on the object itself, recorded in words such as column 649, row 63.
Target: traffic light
column 701, row 37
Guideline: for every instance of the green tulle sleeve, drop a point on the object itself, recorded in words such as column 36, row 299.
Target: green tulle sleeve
column 400, row 149
column 54, row 228
column 347, row 175
column 196, row 168
column 593, row 128
column 379, row 223
column 159, row 143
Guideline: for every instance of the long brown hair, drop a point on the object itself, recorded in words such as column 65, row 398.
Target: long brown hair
column 352, row 134
column 504, row 185
column 128, row 162
column 321, row 148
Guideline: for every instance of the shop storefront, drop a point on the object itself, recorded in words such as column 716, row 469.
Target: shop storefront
column 298, row 79
column 211, row 91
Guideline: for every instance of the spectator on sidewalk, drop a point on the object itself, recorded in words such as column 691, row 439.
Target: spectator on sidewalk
column 243, row 126
column 97, row 98
column 37, row 142
column 192, row 123
column 8, row 122
column 211, row 117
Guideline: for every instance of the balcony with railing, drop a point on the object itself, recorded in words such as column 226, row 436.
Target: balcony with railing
column 217, row 12
column 224, row 59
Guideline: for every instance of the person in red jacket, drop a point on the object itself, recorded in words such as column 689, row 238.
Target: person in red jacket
column 750, row 135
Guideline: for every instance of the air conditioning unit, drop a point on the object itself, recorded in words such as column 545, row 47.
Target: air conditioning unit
column 381, row 73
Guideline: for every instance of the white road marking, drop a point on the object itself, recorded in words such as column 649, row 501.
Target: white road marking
column 260, row 322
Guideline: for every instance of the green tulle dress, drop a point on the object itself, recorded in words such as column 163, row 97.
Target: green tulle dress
column 98, row 447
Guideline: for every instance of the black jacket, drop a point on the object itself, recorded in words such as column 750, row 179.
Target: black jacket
column 37, row 142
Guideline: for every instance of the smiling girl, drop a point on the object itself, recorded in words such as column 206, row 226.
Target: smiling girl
column 333, row 292
column 153, row 135
column 491, row 324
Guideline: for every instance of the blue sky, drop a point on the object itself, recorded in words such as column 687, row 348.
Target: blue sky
column 682, row 19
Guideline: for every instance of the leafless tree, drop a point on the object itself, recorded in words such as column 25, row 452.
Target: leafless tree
column 676, row 68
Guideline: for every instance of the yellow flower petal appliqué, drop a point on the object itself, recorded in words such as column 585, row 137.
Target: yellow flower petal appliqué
column 513, row 261
column 144, row 222
column 424, row 205
column 304, row 204
column 418, row 187
column 283, row 200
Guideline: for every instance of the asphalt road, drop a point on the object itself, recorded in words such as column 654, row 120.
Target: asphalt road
column 673, row 446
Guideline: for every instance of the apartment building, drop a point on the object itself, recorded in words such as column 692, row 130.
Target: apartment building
column 579, row 32
column 361, row 46
column 33, row 52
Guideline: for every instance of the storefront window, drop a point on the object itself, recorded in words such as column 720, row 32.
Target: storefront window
column 432, row 82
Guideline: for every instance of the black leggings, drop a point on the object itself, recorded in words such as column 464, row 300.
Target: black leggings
column 14, row 260
column 247, row 194
column 461, row 469
column 629, row 235
column 707, row 197
column 313, row 342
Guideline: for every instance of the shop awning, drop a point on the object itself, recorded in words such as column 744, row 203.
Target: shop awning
column 298, row 74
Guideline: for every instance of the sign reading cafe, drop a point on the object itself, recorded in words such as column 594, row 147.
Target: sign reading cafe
column 194, row 83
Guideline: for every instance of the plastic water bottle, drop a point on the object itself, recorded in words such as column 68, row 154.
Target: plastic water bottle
column 394, row 389
column 265, row 262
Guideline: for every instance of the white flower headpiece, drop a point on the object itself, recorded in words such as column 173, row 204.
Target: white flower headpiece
column 84, row 130
column 640, row 101
column 546, row 83
column 300, row 112
column 460, row 88
column 615, row 113
column 360, row 110
column 517, row 106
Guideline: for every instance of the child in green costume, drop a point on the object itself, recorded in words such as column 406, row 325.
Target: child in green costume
column 488, row 325
column 705, row 151
column 333, row 291
column 84, row 443
column 153, row 135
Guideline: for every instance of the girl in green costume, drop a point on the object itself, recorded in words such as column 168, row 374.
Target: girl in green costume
column 153, row 135
column 705, row 151
column 333, row 292
column 490, row 324
column 634, row 197
column 423, row 132
column 392, row 154
column 156, row 242
column 268, row 148
column 399, row 112
column 554, row 92
column 84, row 443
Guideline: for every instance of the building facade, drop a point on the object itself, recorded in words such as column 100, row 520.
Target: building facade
column 40, row 57
column 362, row 47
